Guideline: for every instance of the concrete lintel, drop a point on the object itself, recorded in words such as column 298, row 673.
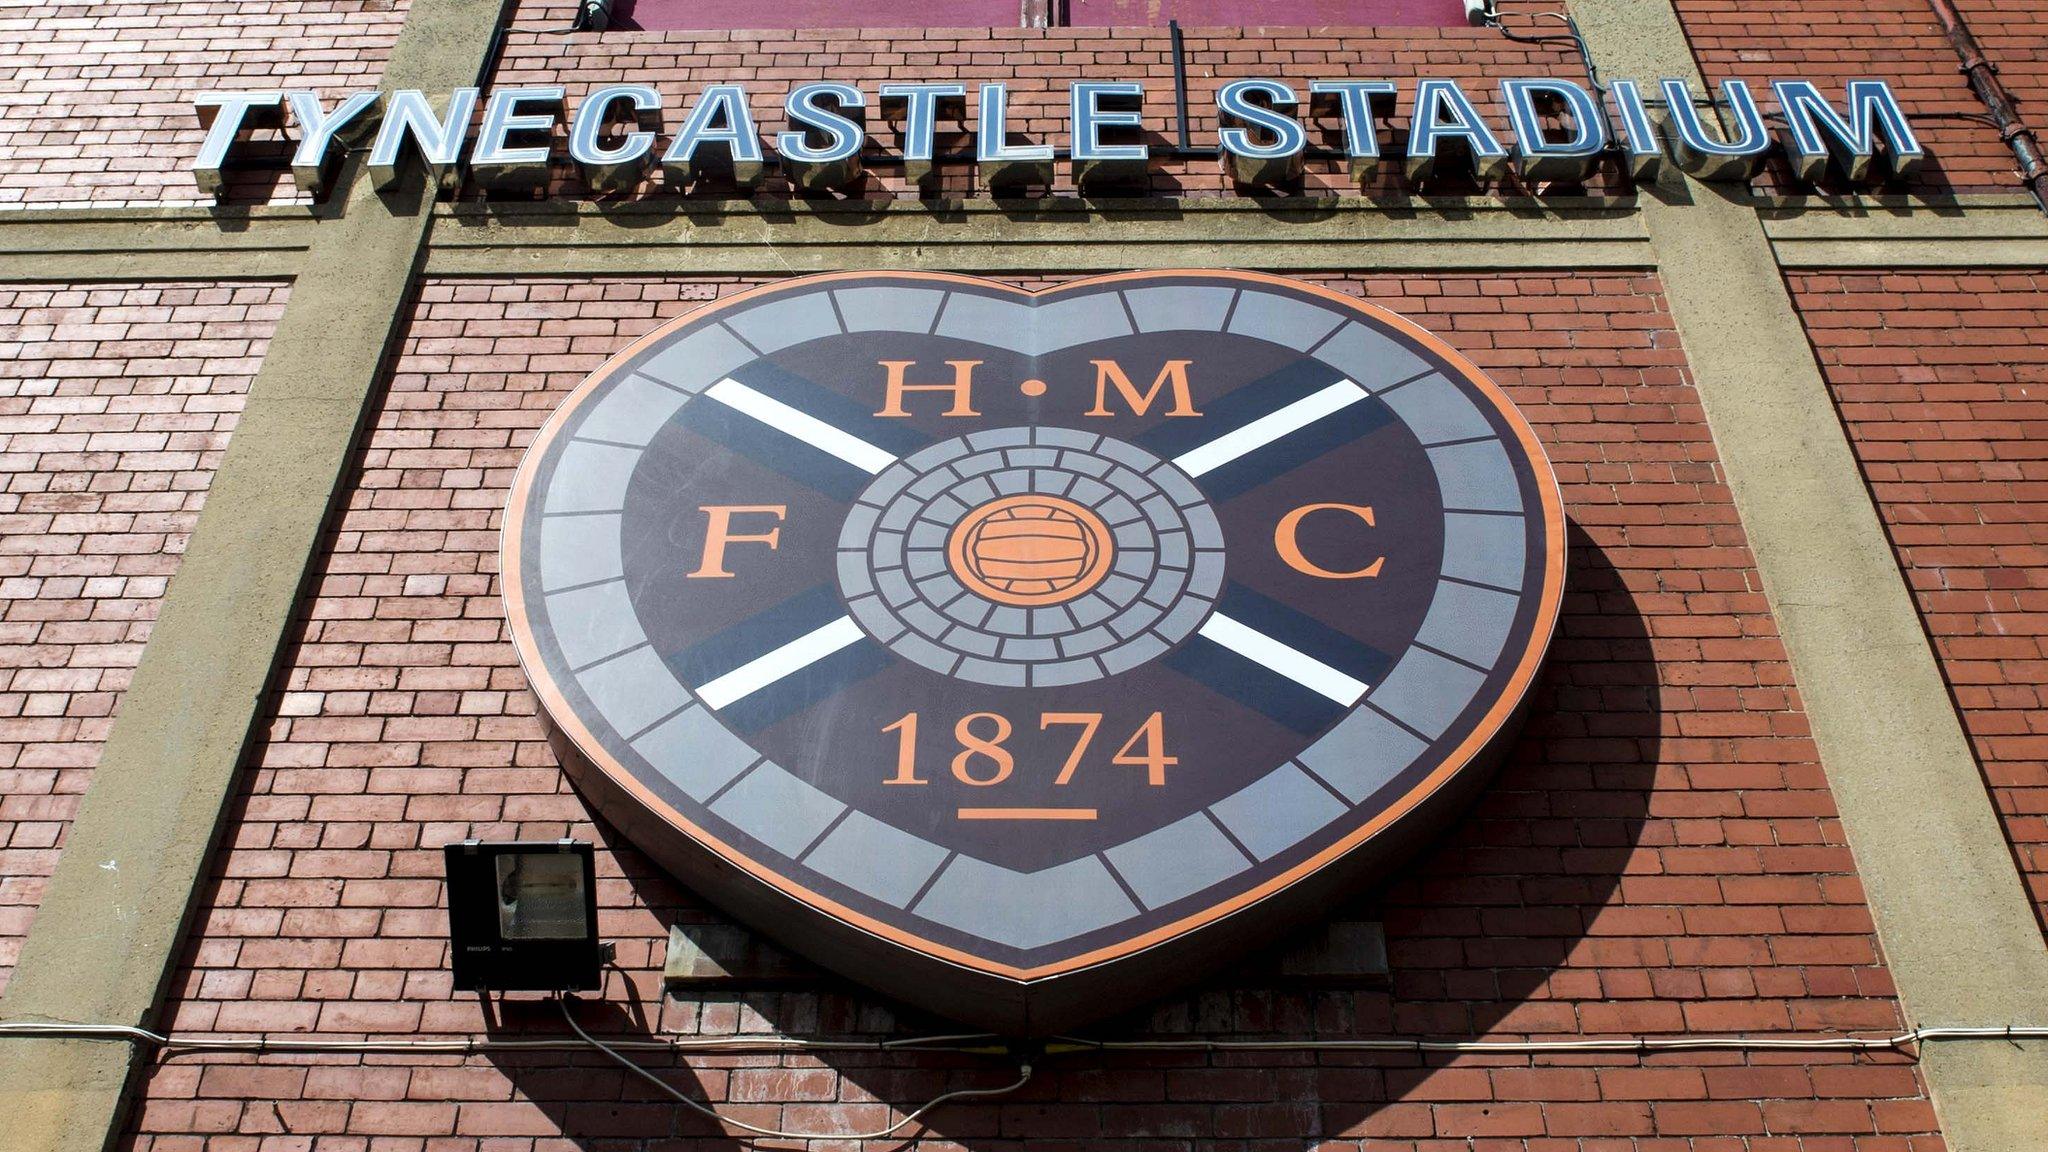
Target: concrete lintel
column 183, row 230
column 106, row 937
column 151, row 244
column 1892, row 232
column 227, row 218
column 477, row 223
column 478, row 239
column 94, row 267
column 1402, row 232
column 1774, row 205
column 1916, row 253
column 1957, row 931
column 668, row 237
column 1106, row 255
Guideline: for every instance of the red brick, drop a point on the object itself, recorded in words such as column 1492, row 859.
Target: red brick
column 99, row 111
column 1597, row 1119
column 92, row 537
column 1945, row 424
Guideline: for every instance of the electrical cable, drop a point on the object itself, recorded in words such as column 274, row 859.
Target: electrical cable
column 987, row 1043
column 1578, row 38
column 1572, row 35
column 475, row 1045
column 707, row 1110
column 1490, row 13
column 1640, row 1045
column 1637, row 1044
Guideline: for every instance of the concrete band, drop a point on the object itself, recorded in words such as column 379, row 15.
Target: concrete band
column 1436, row 234
column 110, row 925
column 1959, row 936
column 1889, row 233
column 70, row 245
column 1340, row 234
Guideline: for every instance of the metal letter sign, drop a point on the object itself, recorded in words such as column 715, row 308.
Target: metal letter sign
column 1024, row 655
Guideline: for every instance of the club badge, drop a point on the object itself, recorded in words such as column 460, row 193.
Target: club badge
column 1025, row 654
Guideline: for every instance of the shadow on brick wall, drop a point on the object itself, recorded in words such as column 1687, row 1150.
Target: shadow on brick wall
column 1489, row 932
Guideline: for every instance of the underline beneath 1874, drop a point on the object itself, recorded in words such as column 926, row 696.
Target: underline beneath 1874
column 1027, row 814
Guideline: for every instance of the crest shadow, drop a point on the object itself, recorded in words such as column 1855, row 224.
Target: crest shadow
column 1484, row 930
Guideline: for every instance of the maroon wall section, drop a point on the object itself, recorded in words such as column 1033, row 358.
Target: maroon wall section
column 666, row 15
column 1231, row 13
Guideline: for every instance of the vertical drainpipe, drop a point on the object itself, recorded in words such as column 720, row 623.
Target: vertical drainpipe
column 1180, row 86
column 1983, row 76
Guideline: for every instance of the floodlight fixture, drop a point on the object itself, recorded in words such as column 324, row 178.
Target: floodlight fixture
column 522, row 916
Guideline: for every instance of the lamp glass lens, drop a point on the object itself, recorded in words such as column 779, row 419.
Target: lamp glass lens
column 541, row 897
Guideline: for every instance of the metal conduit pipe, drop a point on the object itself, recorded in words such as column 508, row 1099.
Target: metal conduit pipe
column 1983, row 76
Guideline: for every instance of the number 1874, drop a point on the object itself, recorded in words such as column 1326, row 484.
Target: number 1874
column 983, row 760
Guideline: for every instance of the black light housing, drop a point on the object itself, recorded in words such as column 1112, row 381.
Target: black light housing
column 522, row 916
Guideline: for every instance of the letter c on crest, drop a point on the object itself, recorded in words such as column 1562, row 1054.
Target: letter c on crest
column 1289, row 548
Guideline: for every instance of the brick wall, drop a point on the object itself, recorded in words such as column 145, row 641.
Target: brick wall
column 1834, row 41
column 1038, row 65
column 1660, row 855
column 1939, row 377
column 115, row 403
column 98, row 96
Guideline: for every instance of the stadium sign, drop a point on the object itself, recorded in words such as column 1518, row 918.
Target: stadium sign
column 612, row 136
column 1026, row 654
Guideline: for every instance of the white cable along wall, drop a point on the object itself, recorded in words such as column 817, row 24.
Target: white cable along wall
column 616, row 1048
